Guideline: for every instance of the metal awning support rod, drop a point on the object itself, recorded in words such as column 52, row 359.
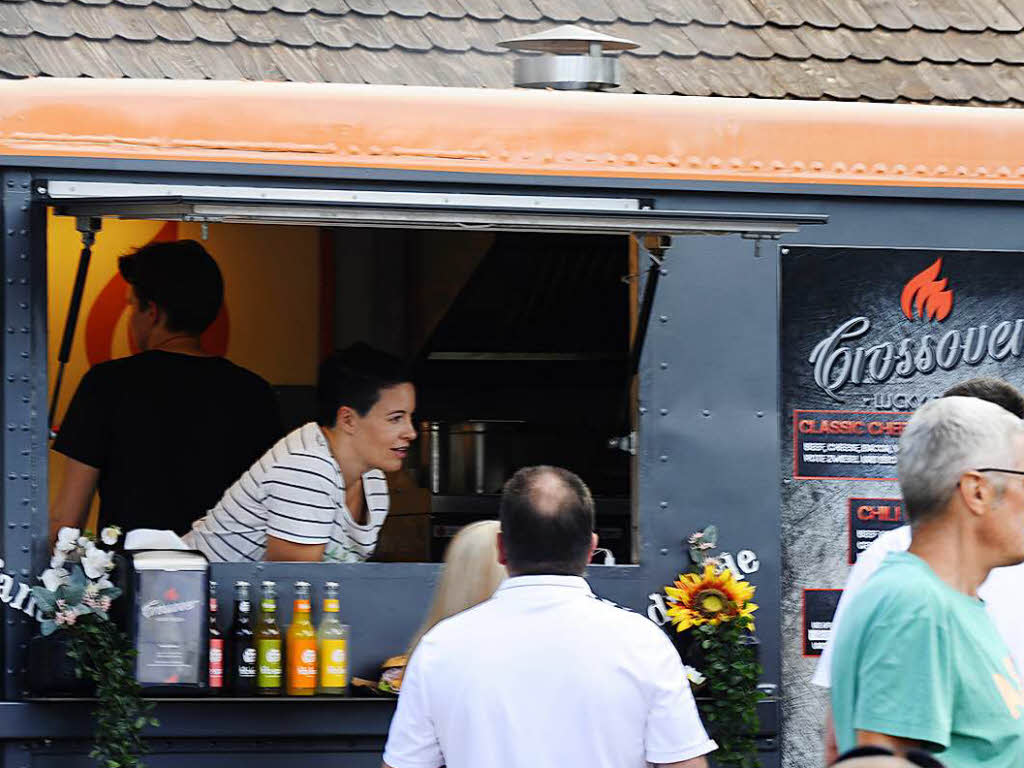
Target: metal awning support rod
column 87, row 227
column 646, row 304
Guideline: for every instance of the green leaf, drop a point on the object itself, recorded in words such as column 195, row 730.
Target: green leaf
column 45, row 599
column 711, row 535
column 78, row 575
column 72, row 593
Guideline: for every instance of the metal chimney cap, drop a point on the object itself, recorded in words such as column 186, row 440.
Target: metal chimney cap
column 568, row 39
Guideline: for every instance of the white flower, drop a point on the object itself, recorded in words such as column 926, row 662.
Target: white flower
column 103, row 583
column 110, row 535
column 96, row 563
column 53, row 578
column 67, row 539
column 693, row 675
column 57, row 561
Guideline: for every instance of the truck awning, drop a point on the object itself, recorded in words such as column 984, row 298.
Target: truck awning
column 395, row 209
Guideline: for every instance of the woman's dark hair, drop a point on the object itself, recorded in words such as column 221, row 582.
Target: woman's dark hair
column 354, row 376
column 181, row 278
column 547, row 522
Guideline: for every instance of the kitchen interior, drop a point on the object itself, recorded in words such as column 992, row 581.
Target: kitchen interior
column 519, row 345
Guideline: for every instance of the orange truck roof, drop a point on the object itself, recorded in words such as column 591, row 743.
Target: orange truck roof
column 513, row 132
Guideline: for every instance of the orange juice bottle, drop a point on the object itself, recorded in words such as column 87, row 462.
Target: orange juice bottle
column 301, row 645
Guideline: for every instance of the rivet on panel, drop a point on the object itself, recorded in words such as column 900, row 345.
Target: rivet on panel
column 663, row 411
column 643, row 410
column 663, row 458
column 664, row 550
column 664, row 365
column 664, row 272
column 663, row 504
column 663, row 318
column 706, row 413
column 10, row 233
column 760, row 414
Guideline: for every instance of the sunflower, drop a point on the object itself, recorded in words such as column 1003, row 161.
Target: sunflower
column 710, row 597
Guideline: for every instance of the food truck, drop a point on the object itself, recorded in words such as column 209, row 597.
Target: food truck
column 716, row 311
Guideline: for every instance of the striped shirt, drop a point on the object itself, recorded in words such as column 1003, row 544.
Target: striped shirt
column 295, row 492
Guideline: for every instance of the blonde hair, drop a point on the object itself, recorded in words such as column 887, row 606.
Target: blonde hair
column 470, row 575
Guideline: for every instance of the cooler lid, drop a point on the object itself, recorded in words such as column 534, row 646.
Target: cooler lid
column 168, row 560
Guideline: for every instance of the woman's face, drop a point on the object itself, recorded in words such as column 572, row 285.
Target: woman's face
column 382, row 437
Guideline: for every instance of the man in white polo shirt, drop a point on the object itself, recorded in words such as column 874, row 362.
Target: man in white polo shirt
column 544, row 674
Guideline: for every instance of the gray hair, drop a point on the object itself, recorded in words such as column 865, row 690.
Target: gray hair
column 944, row 439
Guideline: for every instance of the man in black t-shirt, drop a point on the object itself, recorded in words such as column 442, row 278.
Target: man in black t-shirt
column 162, row 433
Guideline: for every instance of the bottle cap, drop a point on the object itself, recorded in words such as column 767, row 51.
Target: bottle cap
column 302, row 584
column 331, row 585
column 269, row 584
column 241, row 583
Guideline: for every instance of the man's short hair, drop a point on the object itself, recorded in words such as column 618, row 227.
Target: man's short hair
column 994, row 390
column 547, row 522
column 354, row 376
column 181, row 278
column 945, row 438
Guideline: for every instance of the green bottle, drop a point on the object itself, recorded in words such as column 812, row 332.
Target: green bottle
column 268, row 644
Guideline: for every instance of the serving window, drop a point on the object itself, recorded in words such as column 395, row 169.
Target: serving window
column 520, row 316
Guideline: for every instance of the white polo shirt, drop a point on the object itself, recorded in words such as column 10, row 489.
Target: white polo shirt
column 545, row 675
column 1001, row 593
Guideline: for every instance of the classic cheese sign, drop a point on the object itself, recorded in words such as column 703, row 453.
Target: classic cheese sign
column 867, row 336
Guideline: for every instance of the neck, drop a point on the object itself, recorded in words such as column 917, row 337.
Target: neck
column 342, row 448
column 952, row 552
column 169, row 341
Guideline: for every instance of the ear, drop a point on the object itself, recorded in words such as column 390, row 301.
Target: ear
column 346, row 420
column 593, row 546
column 975, row 492
column 502, row 557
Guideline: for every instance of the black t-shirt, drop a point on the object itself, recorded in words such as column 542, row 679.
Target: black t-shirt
column 169, row 434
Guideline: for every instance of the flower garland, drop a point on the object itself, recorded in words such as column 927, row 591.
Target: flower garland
column 713, row 610
column 75, row 597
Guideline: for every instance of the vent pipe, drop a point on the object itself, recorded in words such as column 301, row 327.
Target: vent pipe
column 572, row 59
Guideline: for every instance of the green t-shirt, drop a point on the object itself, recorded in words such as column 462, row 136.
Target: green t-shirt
column 916, row 659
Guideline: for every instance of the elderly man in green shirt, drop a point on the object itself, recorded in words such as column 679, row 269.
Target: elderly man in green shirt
column 918, row 663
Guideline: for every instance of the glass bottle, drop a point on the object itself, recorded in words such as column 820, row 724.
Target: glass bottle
column 243, row 644
column 301, row 645
column 268, row 644
column 215, row 678
column 332, row 639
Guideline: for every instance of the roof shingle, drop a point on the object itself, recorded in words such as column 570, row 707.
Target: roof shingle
column 934, row 51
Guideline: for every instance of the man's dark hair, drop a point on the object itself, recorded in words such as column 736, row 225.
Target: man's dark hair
column 181, row 278
column 994, row 390
column 547, row 522
column 354, row 376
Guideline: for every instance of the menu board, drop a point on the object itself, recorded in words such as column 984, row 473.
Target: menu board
column 867, row 335
column 869, row 519
column 819, row 609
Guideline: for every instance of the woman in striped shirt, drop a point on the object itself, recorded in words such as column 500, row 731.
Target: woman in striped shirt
column 320, row 493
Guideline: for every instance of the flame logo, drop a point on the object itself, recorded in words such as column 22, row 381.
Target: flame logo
column 926, row 296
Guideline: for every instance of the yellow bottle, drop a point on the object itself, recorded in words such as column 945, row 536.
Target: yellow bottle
column 301, row 646
column 333, row 645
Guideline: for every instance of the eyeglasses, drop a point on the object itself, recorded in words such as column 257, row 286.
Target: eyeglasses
column 997, row 469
